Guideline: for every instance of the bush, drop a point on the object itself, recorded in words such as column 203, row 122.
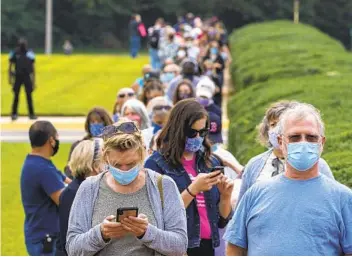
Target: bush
column 280, row 60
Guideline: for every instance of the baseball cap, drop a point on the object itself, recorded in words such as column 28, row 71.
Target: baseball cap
column 215, row 128
column 152, row 75
column 205, row 88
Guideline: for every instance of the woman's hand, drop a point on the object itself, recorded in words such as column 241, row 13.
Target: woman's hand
column 225, row 187
column 111, row 229
column 136, row 225
column 204, row 182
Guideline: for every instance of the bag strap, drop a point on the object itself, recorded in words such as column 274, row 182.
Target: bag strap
column 160, row 187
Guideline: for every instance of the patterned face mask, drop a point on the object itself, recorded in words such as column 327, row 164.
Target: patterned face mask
column 194, row 144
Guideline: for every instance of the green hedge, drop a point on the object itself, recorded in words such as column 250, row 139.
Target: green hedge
column 280, row 60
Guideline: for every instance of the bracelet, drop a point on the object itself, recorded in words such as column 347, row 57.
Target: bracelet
column 190, row 192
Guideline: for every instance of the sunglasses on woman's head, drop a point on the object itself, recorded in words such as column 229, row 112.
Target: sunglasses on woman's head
column 191, row 133
column 162, row 107
column 124, row 128
column 123, row 95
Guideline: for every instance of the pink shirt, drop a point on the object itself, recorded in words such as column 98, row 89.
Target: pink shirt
column 205, row 231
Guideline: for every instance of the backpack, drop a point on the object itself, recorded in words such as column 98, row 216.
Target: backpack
column 142, row 31
column 23, row 64
column 154, row 38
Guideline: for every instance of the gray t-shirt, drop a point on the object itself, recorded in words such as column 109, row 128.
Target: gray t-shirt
column 107, row 203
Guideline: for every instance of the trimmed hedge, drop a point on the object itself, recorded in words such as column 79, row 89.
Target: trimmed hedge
column 280, row 60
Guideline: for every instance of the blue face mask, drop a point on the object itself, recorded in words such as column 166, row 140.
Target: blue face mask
column 214, row 50
column 204, row 101
column 156, row 127
column 224, row 56
column 194, row 144
column 167, row 77
column 303, row 155
column 124, row 177
column 96, row 128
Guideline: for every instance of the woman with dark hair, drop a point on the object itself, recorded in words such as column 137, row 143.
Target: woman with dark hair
column 152, row 89
column 184, row 154
column 183, row 91
column 96, row 120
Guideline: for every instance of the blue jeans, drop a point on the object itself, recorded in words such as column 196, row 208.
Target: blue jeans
column 154, row 59
column 135, row 45
column 36, row 249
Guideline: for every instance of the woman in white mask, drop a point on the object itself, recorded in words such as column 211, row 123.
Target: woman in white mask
column 272, row 162
column 127, row 209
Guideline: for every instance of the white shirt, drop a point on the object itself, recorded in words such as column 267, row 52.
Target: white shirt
column 268, row 168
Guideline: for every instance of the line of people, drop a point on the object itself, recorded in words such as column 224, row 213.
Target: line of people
column 155, row 179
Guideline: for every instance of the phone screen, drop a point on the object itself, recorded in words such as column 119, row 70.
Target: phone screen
column 126, row 212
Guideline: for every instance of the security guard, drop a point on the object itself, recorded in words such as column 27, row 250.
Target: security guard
column 22, row 60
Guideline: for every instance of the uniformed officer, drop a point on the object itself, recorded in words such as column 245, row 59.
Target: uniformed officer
column 22, row 60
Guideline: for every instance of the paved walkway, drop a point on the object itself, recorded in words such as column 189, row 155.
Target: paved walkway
column 71, row 129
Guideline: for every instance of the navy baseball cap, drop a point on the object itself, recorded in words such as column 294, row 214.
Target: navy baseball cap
column 215, row 128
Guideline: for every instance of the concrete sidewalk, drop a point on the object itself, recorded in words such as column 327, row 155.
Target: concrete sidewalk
column 71, row 129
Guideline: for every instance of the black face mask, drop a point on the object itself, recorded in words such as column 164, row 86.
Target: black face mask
column 56, row 147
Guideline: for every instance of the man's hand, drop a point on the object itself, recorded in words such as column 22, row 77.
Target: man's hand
column 137, row 226
column 110, row 229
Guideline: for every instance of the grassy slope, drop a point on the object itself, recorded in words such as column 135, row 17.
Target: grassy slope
column 12, row 214
column 279, row 60
column 71, row 85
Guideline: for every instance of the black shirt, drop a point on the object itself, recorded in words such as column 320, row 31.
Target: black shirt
column 66, row 200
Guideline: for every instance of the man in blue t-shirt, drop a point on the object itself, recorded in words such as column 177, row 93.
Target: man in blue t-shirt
column 300, row 212
column 41, row 186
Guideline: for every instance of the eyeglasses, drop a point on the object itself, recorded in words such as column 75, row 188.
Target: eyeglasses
column 122, row 95
column 162, row 107
column 127, row 128
column 191, row 133
column 297, row 138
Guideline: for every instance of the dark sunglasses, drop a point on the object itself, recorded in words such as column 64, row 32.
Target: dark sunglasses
column 127, row 128
column 191, row 133
column 123, row 95
column 162, row 107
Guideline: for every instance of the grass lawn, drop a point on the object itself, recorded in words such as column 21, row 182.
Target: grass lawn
column 71, row 85
column 12, row 214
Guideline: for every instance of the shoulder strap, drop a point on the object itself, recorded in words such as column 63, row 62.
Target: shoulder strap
column 160, row 188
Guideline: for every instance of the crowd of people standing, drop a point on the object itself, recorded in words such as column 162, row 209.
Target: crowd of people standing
column 154, row 178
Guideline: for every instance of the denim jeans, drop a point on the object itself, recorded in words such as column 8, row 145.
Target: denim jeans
column 154, row 58
column 36, row 249
column 135, row 45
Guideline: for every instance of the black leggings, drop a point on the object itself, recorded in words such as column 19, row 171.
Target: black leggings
column 205, row 249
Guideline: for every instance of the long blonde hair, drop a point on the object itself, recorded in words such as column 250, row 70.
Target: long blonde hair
column 86, row 157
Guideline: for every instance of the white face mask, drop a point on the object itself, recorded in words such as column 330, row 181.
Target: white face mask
column 273, row 138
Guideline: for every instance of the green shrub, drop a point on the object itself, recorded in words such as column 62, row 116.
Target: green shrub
column 279, row 60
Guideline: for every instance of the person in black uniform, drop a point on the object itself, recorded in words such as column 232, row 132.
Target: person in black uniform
column 22, row 60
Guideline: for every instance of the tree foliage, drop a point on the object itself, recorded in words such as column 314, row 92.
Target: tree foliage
column 90, row 22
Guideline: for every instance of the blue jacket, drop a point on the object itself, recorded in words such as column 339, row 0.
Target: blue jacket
column 256, row 165
column 158, row 163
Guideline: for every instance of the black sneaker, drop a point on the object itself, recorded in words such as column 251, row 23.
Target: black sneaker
column 14, row 117
column 33, row 117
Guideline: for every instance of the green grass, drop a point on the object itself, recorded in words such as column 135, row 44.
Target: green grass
column 280, row 60
column 12, row 213
column 72, row 85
